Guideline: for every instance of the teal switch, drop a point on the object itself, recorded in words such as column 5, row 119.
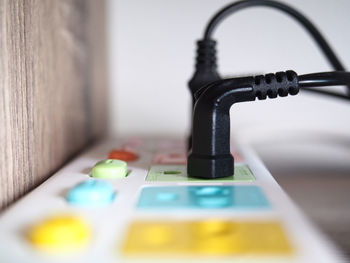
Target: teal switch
column 110, row 169
column 239, row 197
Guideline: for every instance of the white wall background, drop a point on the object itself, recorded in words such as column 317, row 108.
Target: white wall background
column 152, row 57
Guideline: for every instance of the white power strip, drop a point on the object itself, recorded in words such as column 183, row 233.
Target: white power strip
column 162, row 216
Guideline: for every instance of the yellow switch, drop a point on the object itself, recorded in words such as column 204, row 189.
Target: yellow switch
column 60, row 233
column 214, row 237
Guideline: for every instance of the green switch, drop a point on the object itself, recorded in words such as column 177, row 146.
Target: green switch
column 110, row 169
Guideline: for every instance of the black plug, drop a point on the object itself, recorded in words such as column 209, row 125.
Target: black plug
column 210, row 156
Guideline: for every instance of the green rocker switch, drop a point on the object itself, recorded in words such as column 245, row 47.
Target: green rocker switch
column 109, row 169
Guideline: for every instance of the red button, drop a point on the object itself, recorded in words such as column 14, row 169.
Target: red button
column 123, row 155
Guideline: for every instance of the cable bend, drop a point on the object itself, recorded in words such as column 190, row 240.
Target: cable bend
column 307, row 24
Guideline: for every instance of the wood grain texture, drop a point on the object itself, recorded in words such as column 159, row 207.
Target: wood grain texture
column 52, row 87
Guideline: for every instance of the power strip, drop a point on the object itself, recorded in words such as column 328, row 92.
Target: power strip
column 157, row 214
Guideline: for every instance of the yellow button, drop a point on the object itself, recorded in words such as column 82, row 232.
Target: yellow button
column 60, row 233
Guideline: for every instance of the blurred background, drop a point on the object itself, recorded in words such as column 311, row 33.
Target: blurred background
column 304, row 140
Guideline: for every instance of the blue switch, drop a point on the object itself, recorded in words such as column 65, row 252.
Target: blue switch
column 203, row 197
column 211, row 196
column 91, row 192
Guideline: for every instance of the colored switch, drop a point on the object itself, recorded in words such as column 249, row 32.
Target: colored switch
column 213, row 237
column 61, row 233
column 123, row 155
column 240, row 197
column 91, row 192
column 110, row 169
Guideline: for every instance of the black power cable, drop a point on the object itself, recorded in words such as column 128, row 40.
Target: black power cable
column 206, row 66
column 213, row 97
column 306, row 23
column 323, row 79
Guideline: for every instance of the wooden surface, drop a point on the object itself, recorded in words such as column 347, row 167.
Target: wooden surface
column 52, row 87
